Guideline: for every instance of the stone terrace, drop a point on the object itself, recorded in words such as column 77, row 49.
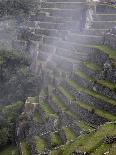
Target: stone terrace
column 75, row 50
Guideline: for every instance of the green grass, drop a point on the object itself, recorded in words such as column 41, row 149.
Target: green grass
column 93, row 66
column 55, row 139
column 91, row 92
column 84, row 75
column 102, row 149
column 99, row 112
column 112, row 150
column 66, row 93
column 9, row 150
column 37, row 117
column 90, row 142
column 70, row 135
column 59, row 102
column 40, row 144
column 25, row 148
column 107, row 84
column 108, row 50
column 47, row 109
column 83, row 125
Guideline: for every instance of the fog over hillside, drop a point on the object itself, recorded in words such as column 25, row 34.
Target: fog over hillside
column 57, row 77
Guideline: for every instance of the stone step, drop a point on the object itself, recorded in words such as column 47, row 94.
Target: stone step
column 92, row 35
column 83, row 113
column 96, row 32
column 83, row 72
column 63, row 33
column 46, row 48
column 71, row 55
column 106, row 9
column 105, row 17
column 103, row 24
column 110, row 40
column 66, row 1
column 98, row 96
column 64, row 6
column 84, row 39
column 42, row 56
column 44, row 17
column 94, row 86
column 62, row 63
column 52, row 32
column 92, row 101
column 59, row 26
column 80, row 50
column 62, row 13
column 67, row 45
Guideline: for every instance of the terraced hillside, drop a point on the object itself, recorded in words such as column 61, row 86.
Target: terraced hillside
column 75, row 113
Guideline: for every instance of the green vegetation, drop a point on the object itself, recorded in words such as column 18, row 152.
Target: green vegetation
column 8, row 117
column 99, row 112
column 17, row 82
column 108, row 50
column 69, row 134
column 48, row 111
column 91, row 143
column 55, row 140
column 40, row 144
column 10, row 150
column 83, row 125
column 25, row 148
column 93, row 66
column 91, row 92
column 108, row 84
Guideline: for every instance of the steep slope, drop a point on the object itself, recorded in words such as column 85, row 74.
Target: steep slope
column 76, row 110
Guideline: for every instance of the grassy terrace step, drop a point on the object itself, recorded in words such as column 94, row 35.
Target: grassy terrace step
column 99, row 112
column 85, row 106
column 40, row 144
column 84, row 38
column 37, row 117
column 108, row 84
column 105, row 17
column 105, row 83
column 55, row 139
column 108, row 5
column 71, row 46
column 48, row 110
column 70, row 135
column 91, row 79
column 92, row 142
column 90, row 92
column 93, row 66
column 25, row 148
column 70, row 60
column 82, row 125
column 108, row 50
column 102, row 149
column 103, row 24
column 64, row 6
